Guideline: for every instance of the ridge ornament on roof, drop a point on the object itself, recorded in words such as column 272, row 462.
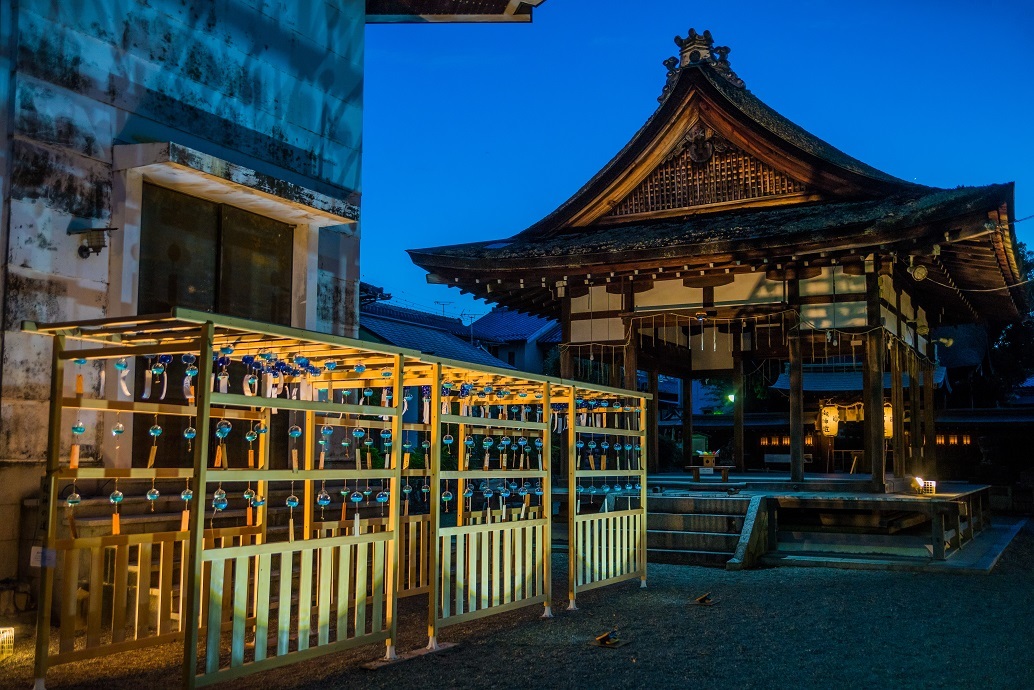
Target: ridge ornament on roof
column 696, row 49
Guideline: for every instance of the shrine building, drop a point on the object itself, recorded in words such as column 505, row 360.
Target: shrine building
column 723, row 238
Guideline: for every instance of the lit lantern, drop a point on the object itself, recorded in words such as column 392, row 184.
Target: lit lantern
column 940, row 439
column 829, row 420
column 953, row 439
column 775, row 440
column 786, row 440
column 888, row 421
column 809, row 440
column 764, row 440
column 965, row 439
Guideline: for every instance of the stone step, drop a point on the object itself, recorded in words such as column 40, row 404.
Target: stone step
column 686, row 557
column 845, row 561
column 838, row 544
column 692, row 541
column 695, row 522
column 697, row 504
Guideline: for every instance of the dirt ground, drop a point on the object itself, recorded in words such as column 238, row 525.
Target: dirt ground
column 771, row 628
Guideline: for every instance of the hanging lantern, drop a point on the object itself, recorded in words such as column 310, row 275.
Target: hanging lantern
column 809, row 440
column 888, row 421
column 966, row 440
column 764, row 440
column 940, row 439
column 953, row 440
column 830, row 420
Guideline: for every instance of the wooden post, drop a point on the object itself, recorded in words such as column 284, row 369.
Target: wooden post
column 687, row 419
column 394, row 547
column 433, row 468
column 740, row 401
column 566, row 362
column 653, row 429
column 49, row 495
column 915, row 414
column 631, row 358
column 190, row 622
column 546, row 505
column 308, row 463
column 796, row 388
column 573, row 557
column 897, row 401
column 929, row 425
column 872, row 396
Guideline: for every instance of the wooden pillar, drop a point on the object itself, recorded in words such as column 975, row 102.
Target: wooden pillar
column 195, row 545
column 929, row 425
column 740, row 400
column 653, row 428
column 872, row 396
column 566, row 361
column 433, row 466
column 915, row 414
column 48, row 501
column 796, row 387
column 687, row 419
column 897, row 401
column 631, row 357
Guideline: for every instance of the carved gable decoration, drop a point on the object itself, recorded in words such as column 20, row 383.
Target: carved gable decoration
column 705, row 169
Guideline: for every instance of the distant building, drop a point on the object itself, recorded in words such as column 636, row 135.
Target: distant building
column 431, row 334
column 519, row 339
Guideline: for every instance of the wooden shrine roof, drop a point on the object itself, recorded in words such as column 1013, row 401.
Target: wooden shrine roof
column 416, row 11
column 718, row 182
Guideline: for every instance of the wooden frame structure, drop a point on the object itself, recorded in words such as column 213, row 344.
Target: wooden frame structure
column 608, row 546
column 251, row 597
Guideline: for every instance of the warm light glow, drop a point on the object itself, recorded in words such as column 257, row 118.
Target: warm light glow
column 965, row 439
column 929, row 486
column 953, row 439
column 6, row 642
column 940, row 439
column 786, row 440
column 764, row 440
column 775, row 440
column 829, row 420
column 809, row 440
column 888, row 421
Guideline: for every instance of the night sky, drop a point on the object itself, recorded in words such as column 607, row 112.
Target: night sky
column 474, row 132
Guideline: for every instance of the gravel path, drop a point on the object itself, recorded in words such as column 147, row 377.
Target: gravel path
column 773, row 628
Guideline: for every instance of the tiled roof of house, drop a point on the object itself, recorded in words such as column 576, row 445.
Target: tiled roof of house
column 427, row 339
column 502, row 325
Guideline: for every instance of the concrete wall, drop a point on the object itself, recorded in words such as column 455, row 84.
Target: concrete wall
column 275, row 86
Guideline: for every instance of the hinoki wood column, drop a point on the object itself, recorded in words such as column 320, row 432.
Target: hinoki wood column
column 915, row 412
column 872, row 396
column 897, row 401
column 740, row 400
column 929, row 424
column 653, row 425
column 796, row 387
column 687, row 419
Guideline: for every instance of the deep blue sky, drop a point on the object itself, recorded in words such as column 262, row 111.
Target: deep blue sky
column 473, row 132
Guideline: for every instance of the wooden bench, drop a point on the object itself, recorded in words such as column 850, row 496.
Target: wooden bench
column 695, row 469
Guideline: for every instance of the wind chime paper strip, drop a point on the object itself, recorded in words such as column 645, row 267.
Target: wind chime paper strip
column 151, row 455
column 148, row 378
column 78, row 384
column 73, row 457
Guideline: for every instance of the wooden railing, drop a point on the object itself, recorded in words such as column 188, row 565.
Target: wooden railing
column 339, row 583
column 491, row 567
column 612, row 548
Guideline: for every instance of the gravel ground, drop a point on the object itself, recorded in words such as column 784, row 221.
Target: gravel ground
column 772, row 628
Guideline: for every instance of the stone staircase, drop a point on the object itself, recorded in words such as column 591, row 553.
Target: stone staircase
column 694, row 530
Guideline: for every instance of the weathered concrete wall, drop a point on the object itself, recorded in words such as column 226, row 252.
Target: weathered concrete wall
column 272, row 85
